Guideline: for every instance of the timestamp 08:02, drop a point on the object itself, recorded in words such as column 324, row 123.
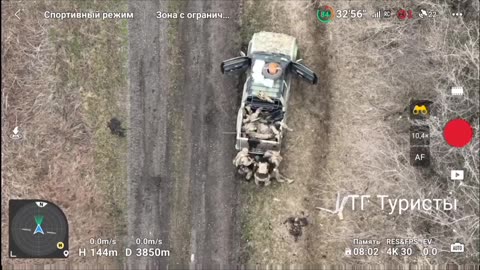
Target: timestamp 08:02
column 362, row 251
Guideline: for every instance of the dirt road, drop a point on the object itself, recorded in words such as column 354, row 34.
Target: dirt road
column 182, row 187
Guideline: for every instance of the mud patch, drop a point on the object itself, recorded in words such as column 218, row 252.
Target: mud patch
column 295, row 225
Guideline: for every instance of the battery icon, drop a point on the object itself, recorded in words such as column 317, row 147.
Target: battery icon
column 457, row 248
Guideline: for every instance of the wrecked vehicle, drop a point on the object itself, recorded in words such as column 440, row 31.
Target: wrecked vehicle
column 270, row 61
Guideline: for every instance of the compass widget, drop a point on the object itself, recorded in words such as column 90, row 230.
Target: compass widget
column 38, row 229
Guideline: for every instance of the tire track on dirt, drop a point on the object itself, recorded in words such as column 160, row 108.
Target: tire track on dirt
column 181, row 183
column 205, row 43
column 148, row 182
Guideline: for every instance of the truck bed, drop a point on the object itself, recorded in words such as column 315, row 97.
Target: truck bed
column 259, row 146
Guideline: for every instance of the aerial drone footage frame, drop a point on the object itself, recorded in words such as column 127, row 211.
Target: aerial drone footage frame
column 297, row 134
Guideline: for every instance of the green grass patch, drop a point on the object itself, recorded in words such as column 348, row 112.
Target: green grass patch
column 91, row 64
column 256, row 220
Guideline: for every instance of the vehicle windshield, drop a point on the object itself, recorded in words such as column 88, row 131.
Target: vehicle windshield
column 268, row 75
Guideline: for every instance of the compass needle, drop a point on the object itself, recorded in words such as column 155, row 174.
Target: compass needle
column 39, row 221
column 38, row 229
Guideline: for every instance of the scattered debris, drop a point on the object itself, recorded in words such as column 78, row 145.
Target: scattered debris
column 262, row 174
column 273, row 157
column 244, row 163
column 115, row 127
column 284, row 126
column 251, row 117
column 262, row 168
column 261, row 123
column 295, row 225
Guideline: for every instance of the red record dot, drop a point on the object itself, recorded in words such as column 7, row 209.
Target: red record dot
column 402, row 14
column 458, row 133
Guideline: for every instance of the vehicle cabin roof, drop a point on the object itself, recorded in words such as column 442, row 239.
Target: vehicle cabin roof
column 274, row 43
column 259, row 83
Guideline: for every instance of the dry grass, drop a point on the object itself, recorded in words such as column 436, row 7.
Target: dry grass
column 370, row 70
column 61, row 82
column 378, row 70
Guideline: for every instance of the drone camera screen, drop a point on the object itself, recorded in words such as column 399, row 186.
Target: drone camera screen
column 240, row 134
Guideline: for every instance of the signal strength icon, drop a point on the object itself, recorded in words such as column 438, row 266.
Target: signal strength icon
column 377, row 14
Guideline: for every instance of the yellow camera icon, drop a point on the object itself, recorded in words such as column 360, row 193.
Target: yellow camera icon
column 420, row 110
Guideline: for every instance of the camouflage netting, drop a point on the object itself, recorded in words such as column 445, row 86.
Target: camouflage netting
column 274, row 42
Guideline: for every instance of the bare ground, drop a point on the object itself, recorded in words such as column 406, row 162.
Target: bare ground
column 181, row 183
